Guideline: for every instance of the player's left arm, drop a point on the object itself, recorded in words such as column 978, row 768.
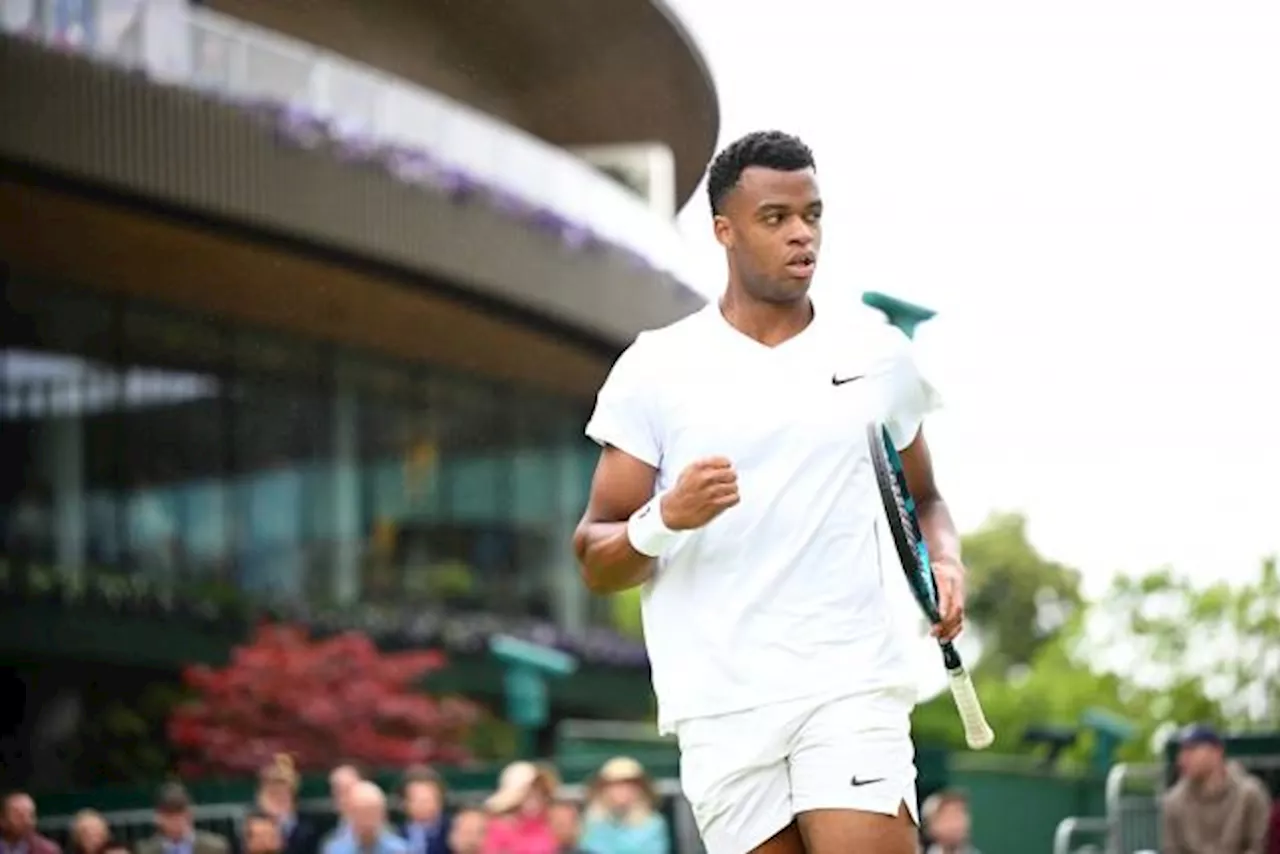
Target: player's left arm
column 939, row 533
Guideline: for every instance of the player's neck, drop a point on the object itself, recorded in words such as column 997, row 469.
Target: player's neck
column 769, row 323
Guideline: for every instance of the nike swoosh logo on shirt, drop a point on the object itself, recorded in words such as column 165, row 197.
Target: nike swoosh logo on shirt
column 857, row 782
column 837, row 380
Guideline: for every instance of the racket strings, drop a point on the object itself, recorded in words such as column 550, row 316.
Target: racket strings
column 908, row 527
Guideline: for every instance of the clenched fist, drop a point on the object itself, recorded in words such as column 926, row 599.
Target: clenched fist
column 705, row 489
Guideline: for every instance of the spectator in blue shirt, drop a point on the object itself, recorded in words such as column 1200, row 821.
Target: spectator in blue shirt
column 368, row 831
column 342, row 780
column 622, row 815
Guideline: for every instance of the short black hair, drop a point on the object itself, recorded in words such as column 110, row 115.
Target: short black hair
column 771, row 149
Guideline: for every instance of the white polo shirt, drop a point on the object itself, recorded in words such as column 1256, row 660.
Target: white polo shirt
column 782, row 596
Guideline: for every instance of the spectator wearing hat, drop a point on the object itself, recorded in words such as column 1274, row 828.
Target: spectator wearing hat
column 622, row 815
column 175, row 825
column 1216, row 807
column 278, row 798
column 426, row 826
column 519, row 823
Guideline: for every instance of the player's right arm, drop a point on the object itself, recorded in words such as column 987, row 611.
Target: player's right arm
column 626, row 526
column 623, row 486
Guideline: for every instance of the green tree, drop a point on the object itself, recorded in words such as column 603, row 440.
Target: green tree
column 1166, row 632
column 1156, row 649
column 1059, row 684
column 1018, row 600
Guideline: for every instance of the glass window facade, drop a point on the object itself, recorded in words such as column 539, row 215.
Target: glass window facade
column 136, row 441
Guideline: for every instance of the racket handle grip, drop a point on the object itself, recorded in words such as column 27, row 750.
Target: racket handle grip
column 977, row 732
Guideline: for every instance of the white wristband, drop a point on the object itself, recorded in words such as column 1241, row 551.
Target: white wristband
column 646, row 531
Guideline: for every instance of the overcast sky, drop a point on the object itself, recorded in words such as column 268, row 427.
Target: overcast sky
column 1089, row 195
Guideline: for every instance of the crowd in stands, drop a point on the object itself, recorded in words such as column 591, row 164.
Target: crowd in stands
column 1214, row 808
column 523, row 816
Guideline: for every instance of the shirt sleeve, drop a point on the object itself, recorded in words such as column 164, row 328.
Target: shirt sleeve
column 623, row 416
column 913, row 395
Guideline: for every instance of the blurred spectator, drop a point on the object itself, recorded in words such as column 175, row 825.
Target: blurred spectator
column 466, row 831
column 18, row 827
column 1273, row 832
column 89, row 833
column 519, row 823
column 278, row 798
column 622, row 815
column 369, row 831
column 947, row 823
column 342, row 780
column 426, row 827
column 263, row 834
column 566, row 824
column 114, row 847
column 1216, row 807
column 176, row 825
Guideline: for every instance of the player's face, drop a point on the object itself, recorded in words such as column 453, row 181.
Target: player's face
column 771, row 228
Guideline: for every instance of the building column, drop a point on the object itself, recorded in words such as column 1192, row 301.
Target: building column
column 571, row 597
column 346, row 491
column 64, row 467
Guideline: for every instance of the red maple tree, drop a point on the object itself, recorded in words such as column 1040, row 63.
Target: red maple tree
column 321, row 701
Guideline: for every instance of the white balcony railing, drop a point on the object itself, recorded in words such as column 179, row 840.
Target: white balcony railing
column 179, row 44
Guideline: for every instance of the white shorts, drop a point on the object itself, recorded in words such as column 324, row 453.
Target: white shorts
column 747, row 774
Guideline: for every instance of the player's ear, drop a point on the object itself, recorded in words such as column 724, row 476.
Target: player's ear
column 723, row 230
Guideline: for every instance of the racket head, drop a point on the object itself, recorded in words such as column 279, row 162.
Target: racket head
column 904, row 526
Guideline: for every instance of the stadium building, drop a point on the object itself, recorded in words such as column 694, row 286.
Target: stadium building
column 305, row 305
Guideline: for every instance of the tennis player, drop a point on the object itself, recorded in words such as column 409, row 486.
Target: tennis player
column 735, row 484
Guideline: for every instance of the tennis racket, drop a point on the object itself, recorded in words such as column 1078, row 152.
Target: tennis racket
column 914, row 555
